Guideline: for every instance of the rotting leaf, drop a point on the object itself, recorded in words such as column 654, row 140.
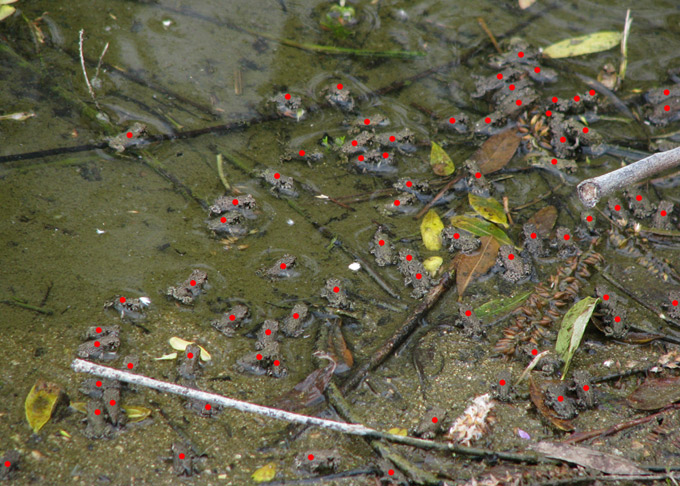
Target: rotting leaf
column 586, row 457
column 265, row 474
column 181, row 344
column 496, row 151
column 441, row 163
column 40, row 403
column 432, row 264
column 501, row 306
column 544, row 219
column 655, row 393
column 479, row 227
column 136, row 413
column 470, row 267
column 585, row 44
column 537, row 398
column 572, row 328
column 431, row 230
column 488, row 208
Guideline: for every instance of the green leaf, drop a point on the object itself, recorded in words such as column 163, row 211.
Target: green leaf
column 479, row 227
column 571, row 331
column 501, row 306
column 441, row 163
column 40, row 404
column 6, row 11
column 586, row 44
column 431, row 231
column 488, row 208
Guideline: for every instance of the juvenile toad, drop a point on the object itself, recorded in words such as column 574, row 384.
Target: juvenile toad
column 190, row 289
column 295, row 323
column 288, row 105
column 9, row 465
column 129, row 309
column 431, row 424
column 383, row 250
column 460, row 240
column 129, row 137
column 476, row 182
column 472, row 325
column 279, row 183
column 340, row 97
column 334, row 291
column 267, row 337
column 244, row 204
column 183, row 460
column 516, row 269
column 111, row 398
column 103, row 343
column 414, row 273
column 557, row 399
column 282, row 268
column 98, row 427
column 320, row 462
column 189, row 367
column 232, row 320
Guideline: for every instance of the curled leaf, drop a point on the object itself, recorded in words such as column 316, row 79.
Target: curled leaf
column 180, row 345
column 488, row 208
column 166, row 357
column 136, row 413
column 431, row 230
column 441, row 163
column 572, row 328
column 432, row 264
column 40, row 403
column 538, row 399
column 585, row 44
column 265, row 474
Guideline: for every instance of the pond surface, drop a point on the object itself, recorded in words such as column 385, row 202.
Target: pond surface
column 81, row 229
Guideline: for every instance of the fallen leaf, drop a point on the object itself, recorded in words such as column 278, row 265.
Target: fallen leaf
column 6, row 11
column 537, row 398
column 398, row 431
column 479, row 227
column 655, row 393
column 501, row 306
column 496, row 151
column 585, row 44
column 431, row 230
column 441, row 163
column 136, row 413
column 265, row 474
column 40, row 403
column 181, row 344
column 488, row 208
column 309, row 392
column 572, row 328
column 583, row 456
column 470, row 267
column 544, row 219
column 166, row 357
column 525, row 4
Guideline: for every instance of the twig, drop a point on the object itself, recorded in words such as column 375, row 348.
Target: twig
column 439, row 195
column 82, row 64
column 220, row 171
column 624, row 46
column 24, row 305
column 592, row 190
column 101, row 58
column 488, row 32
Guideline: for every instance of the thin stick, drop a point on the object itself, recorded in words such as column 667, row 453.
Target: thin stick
column 220, row 171
column 439, row 195
column 624, row 46
column 82, row 366
column 488, row 32
column 101, row 58
column 592, row 190
column 82, row 63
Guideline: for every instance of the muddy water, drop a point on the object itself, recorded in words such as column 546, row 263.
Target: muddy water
column 78, row 229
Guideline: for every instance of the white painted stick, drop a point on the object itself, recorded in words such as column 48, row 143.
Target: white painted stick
column 82, row 366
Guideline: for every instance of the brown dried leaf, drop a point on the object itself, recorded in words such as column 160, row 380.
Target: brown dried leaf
column 655, row 393
column 308, row 392
column 544, row 219
column 338, row 350
column 586, row 457
column 497, row 151
column 469, row 267
column 537, row 398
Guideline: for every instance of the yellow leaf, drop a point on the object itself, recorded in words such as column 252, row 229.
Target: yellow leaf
column 65, row 434
column 441, row 163
column 79, row 406
column 397, row 431
column 180, row 345
column 6, row 11
column 585, row 44
column 40, row 404
column 489, row 209
column 431, row 231
column 136, row 413
column 432, row 264
column 265, row 474
column 166, row 357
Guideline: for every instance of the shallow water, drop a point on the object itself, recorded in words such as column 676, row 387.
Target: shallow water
column 79, row 229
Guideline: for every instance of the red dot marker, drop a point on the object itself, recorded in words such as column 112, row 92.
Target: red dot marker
column 560, row 398
column 533, row 236
column 129, row 134
column 487, row 120
column 259, row 357
column 97, row 344
column 667, row 108
column 235, row 202
column 385, row 155
column 193, row 283
column 452, row 120
column 367, row 121
column 283, row 266
column 397, row 202
column 302, row 153
column 381, row 242
column 553, row 161
column 534, row 352
column 232, row 317
column 112, row 403
column 310, row 457
column 499, row 76
column 666, row 92
column 190, row 355
column 511, row 87
column 511, row 256
column 586, row 388
column 617, row 319
column 296, row 316
column 8, row 464
column 456, row 236
column 99, row 383
column 419, row 276
column 122, row 300
column 638, row 197
column 468, row 313
column 208, row 406
column 97, row 412
column 354, row 143
column 391, row 472
column 566, row 237
column 409, row 258
column 518, row 102
column 537, row 70
column 435, row 420
column 98, row 330
column 605, row 297
column 548, row 113
column 277, row 176
column 181, row 455
column 277, row 362
column 287, row 96
column 563, row 139
column 361, row 158
column 339, row 86
column 478, row 175
column 268, row 332
column 663, row 213
column 585, row 129
column 617, row 207
column 336, row 289
column 223, row 219
column 501, row 383
column 520, row 54
column 577, row 98
column 409, row 183
column 554, row 99
column 130, row 365
column 675, row 303
column 589, row 218
column 393, row 138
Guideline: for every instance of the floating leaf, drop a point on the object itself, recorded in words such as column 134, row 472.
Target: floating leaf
column 432, row 264
column 501, row 306
column 398, row 431
column 265, row 474
column 655, row 393
column 167, row 357
column 544, row 219
column 585, row 44
column 591, row 458
column 180, row 345
column 572, row 328
column 488, row 208
column 136, row 413
column 470, row 267
column 537, row 398
column 479, row 227
column 40, row 404
column 431, row 231
column 496, row 151
column 441, row 163
column 525, row 4
column 6, row 11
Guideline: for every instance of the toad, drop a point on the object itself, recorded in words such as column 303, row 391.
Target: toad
column 638, row 203
column 320, row 462
column 534, row 242
column 267, row 337
column 114, row 411
column 582, row 385
column 98, row 427
column 557, row 399
column 288, row 105
column 414, row 273
column 559, row 167
column 516, row 268
column 339, row 96
column 382, row 248
column 431, row 424
column 9, row 465
column 190, row 289
column 336, row 295
column 244, row 204
column 183, row 460
column 564, row 241
column 460, row 240
column 472, row 325
column 282, row 268
column 232, row 320
column 475, row 180
column 126, row 139
column 103, row 343
column 663, row 215
column 264, row 362
column 295, row 323
column 190, row 365
column 502, row 388
column 129, row 309
column 280, row 184
column 402, row 204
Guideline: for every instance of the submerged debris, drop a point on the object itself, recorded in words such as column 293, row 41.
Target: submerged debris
column 474, row 422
